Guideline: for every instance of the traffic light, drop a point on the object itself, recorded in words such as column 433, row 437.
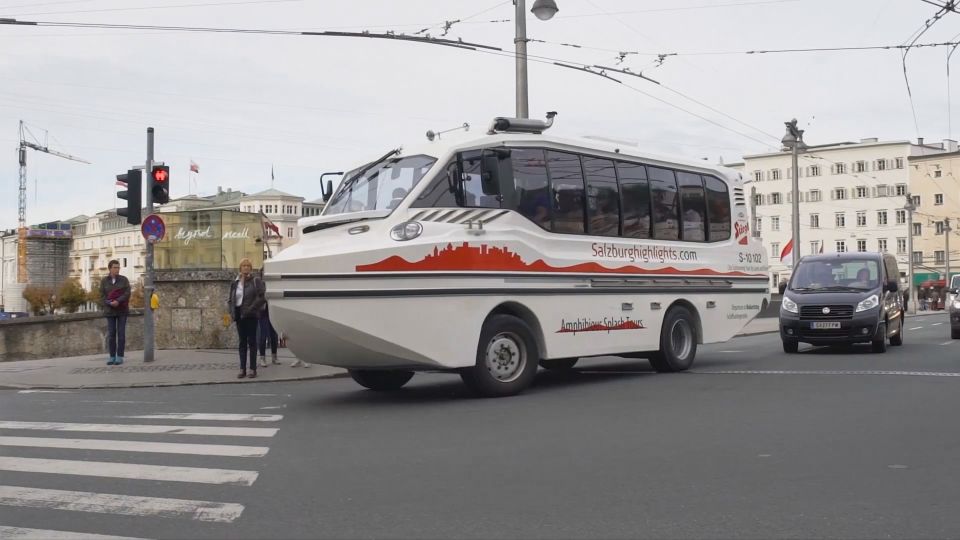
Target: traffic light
column 133, row 181
column 160, row 184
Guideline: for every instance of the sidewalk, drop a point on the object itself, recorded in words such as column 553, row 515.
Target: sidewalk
column 169, row 368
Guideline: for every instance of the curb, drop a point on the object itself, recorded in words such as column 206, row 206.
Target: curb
column 162, row 385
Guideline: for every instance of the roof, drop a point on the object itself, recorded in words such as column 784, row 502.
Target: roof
column 847, row 145
column 273, row 193
column 317, row 202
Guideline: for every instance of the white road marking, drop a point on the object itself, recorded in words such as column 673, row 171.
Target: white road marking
column 788, row 372
column 916, row 328
column 106, row 401
column 20, row 533
column 137, row 446
column 731, row 351
column 140, row 428
column 132, row 471
column 947, row 343
column 128, row 505
column 43, row 392
column 937, row 323
column 211, row 416
column 273, row 407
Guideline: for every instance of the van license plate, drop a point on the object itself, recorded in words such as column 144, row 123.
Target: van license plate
column 825, row 325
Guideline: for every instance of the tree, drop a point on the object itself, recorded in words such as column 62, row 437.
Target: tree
column 94, row 295
column 41, row 299
column 136, row 296
column 71, row 296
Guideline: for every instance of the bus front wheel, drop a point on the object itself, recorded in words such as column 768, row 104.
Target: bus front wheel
column 678, row 342
column 507, row 358
column 381, row 380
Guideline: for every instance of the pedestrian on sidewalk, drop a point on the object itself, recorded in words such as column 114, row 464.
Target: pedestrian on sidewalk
column 266, row 331
column 115, row 296
column 246, row 301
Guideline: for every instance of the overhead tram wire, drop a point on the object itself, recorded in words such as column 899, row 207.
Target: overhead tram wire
column 927, row 25
column 143, row 8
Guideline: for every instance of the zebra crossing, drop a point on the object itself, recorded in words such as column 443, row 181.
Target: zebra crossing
column 38, row 450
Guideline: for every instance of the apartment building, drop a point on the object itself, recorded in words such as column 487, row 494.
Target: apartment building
column 852, row 197
column 935, row 189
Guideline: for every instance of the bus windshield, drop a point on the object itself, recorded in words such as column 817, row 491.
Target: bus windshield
column 382, row 187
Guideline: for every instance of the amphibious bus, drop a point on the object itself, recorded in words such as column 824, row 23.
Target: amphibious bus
column 494, row 255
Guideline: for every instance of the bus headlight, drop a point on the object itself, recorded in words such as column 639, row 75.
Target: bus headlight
column 869, row 303
column 406, row 231
column 789, row 305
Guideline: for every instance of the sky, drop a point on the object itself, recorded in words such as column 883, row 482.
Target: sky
column 240, row 105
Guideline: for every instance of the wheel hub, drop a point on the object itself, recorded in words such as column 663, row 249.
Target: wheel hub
column 505, row 357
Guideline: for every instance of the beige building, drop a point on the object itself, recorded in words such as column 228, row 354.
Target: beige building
column 935, row 188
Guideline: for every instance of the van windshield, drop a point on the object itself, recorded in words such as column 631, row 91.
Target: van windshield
column 859, row 274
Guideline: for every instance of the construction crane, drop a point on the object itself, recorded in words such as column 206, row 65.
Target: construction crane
column 22, row 208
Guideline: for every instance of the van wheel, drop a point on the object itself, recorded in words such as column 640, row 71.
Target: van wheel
column 897, row 339
column 381, row 380
column 507, row 358
column 559, row 364
column 880, row 345
column 791, row 347
column 678, row 342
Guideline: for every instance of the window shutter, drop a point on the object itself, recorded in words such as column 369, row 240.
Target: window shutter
column 833, row 194
column 873, row 192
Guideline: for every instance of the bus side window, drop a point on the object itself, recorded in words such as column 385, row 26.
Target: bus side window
column 441, row 193
column 718, row 209
column 666, row 207
column 566, row 182
column 693, row 206
column 531, row 192
column 603, row 199
column 471, row 165
column 634, row 199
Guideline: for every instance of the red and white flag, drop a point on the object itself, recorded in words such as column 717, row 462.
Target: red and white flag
column 194, row 167
column 269, row 224
column 787, row 251
column 121, row 184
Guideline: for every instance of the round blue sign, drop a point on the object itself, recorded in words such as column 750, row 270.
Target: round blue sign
column 153, row 228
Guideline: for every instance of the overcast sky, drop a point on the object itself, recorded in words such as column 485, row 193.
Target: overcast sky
column 237, row 104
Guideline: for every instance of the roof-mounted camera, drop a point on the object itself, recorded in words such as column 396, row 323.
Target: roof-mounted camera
column 521, row 125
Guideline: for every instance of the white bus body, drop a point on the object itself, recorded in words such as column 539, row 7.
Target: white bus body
column 437, row 278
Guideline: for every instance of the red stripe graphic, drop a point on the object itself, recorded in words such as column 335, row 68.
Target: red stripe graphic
column 495, row 259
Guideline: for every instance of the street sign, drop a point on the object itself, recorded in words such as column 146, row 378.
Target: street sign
column 153, row 228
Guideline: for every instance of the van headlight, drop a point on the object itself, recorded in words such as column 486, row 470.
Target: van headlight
column 789, row 305
column 406, row 231
column 956, row 304
column 870, row 303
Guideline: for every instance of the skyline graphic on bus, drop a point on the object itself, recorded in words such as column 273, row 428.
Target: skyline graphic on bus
column 465, row 257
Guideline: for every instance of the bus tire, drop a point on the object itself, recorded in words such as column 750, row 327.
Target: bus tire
column 381, row 380
column 559, row 364
column 507, row 358
column 678, row 342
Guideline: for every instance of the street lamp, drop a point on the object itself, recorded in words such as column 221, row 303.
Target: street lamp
column 793, row 140
column 544, row 10
column 911, row 297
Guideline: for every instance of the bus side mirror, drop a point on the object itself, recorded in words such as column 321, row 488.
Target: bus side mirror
column 954, row 291
column 327, row 190
column 490, row 174
column 782, row 286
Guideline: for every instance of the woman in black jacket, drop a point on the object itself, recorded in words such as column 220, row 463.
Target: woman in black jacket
column 246, row 301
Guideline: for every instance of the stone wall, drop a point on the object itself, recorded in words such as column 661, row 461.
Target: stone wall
column 54, row 336
column 192, row 306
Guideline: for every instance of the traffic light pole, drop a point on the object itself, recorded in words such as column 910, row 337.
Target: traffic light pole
column 148, row 335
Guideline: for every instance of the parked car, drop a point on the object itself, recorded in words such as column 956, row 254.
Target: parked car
column 841, row 299
column 955, row 311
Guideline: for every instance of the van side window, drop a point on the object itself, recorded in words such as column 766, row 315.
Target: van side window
column 666, row 207
column 566, row 181
column 635, row 198
column 441, row 193
column 693, row 205
column 603, row 198
column 531, row 190
column 718, row 209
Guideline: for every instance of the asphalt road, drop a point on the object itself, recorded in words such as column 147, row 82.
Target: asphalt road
column 751, row 444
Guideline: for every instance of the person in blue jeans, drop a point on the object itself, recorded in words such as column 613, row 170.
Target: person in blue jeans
column 266, row 332
column 115, row 297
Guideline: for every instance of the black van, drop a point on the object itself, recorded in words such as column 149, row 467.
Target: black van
column 843, row 298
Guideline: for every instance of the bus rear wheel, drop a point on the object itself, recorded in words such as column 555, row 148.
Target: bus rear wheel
column 381, row 380
column 507, row 358
column 678, row 342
